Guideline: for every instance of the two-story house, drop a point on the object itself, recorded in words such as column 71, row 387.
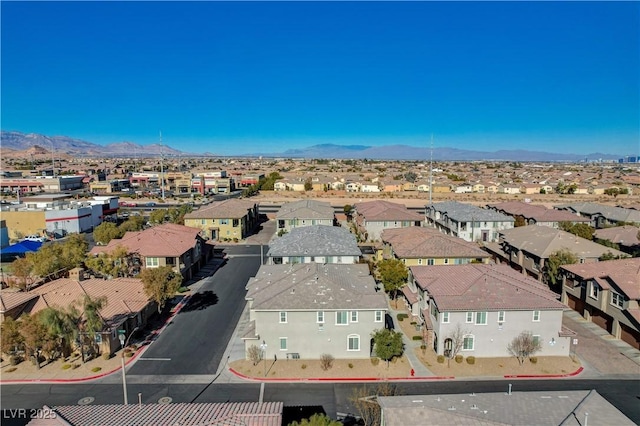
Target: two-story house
column 178, row 246
column 302, row 311
column 466, row 221
column 527, row 248
column 608, row 294
column 225, row 220
column 534, row 214
column 372, row 217
column 316, row 243
column 304, row 213
column 428, row 246
column 601, row 215
column 625, row 238
column 490, row 305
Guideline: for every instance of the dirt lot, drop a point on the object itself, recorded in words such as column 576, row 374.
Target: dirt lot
column 355, row 368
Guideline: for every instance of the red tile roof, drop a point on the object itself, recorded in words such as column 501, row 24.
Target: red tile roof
column 474, row 287
column 166, row 240
column 384, row 210
column 227, row 209
column 420, row 242
column 623, row 274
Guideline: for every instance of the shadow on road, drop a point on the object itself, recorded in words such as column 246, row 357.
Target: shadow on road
column 200, row 301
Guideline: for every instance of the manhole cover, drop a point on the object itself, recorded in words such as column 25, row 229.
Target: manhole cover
column 165, row 400
column 86, row 400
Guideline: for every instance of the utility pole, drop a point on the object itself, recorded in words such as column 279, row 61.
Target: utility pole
column 161, row 167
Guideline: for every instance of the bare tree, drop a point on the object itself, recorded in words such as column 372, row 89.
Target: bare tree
column 523, row 346
column 254, row 354
column 453, row 343
column 364, row 399
column 326, row 361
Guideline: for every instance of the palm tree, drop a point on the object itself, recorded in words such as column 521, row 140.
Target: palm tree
column 63, row 325
column 92, row 321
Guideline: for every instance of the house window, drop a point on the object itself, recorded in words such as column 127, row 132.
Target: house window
column 501, row 316
column 481, row 318
column 594, row 291
column 378, row 316
column 283, row 343
column 536, row 316
column 283, row 317
column 617, row 300
column 353, row 342
column 153, row 262
column 171, row 261
column 354, row 316
column 429, row 261
column 468, row 342
column 341, row 318
column 236, row 222
column 203, row 221
column 419, row 261
column 445, row 317
column 469, row 317
column 536, row 339
column 320, row 316
column 446, row 261
column 224, row 221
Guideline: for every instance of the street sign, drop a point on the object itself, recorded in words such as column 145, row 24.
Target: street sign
column 122, row 331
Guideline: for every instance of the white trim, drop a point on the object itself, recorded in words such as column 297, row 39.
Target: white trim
column 473, row 342
column 346, row 317
column 286, row 343
column 320, row 314
column 286, row 317
column 534, row 316
column 375, row 316
column 349, row 337
column 351, row 316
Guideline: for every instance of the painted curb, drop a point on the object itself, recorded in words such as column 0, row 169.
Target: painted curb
column 338, row 379
column 544, row 376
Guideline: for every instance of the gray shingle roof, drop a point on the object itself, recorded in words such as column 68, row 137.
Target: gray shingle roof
column 316, row 240
column 306, row 209
column 227, row 209
column 314, row 286
column 488, row 287
column 617, row 214
column 542, row 241
column 461, row 212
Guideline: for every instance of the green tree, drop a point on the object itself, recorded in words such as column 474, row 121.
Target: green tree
column 74, row 251
column 22, row 269
column 519, row 221
column 160, row 284
column 159, row 216
column 11, row 338
column 308, row 186
column 317, row 420
column 114, row 263
column 393, row 274
column 106, row 232
column 34, row 335
column 580, row 229
column 134, row 223
column 554, row 262
column 387, row 344
column 609, row 256
column 92, row 321
column 61, row 325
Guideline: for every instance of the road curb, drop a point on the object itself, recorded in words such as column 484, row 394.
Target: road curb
column 544, row 376
column 338, row 379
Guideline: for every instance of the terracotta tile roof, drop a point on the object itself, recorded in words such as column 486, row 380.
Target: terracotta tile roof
column 227, row 209
column 411, row 296
column 420, row 242
column 306, row 209
column 125, row 296
column 622, row 274
column 461, row 212
column 185, row 414
column 626, row 235
column 166, row 240
column 385, row 210
column 491, row 287
column 536, row 212
column 13, row 299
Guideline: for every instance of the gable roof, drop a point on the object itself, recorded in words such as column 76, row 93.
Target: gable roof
column 626, row 235
column 543, row 241
column 384, row 210
column 12, row 299
column 315, row 240
column 489, row 287
column 314, row 286
column 306, row 209
column 461, row 212
column 227, row 209
column 618, row 214
column 536, row 212
column 420, row 242
column 166, row 240
column 624, row 274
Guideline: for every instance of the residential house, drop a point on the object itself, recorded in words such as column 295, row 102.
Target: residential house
column 372, row 217
column 316, row 243
column 490, row 304
column 623, row 238
column 178, row 246
column 302, row 311
column 601, row 215
column 534, row 214
column 479, row 188
column 492, row 188
column 502, row 408
column 304, row 213
column 370, row 187
column 464, row 188
column 527, row 248
column 608, row 294
column 466, row 221
column 428, row 246
column 530, row 188
column 509, row 189
column 231, row 219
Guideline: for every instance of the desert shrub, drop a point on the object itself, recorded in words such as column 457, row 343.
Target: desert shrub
column 11, row 370
column 459, row 358
column 402, row 316
column 106, row 356
column 128, row 354
column 417, row 338
column 76, row 366
column 413, row 323
column 375, row 361
column 66, row 366
column 326, row 361
column 440, row 359
column 96, row 369
column 350, row 365
column 533, row 360
column 183, row 289
column 303, row 366
column 14, row 360
column 471, row 360
column 423, row 347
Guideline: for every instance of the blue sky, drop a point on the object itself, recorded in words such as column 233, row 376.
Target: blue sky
column 241, row 77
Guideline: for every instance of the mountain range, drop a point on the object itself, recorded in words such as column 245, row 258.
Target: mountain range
column 15, row 142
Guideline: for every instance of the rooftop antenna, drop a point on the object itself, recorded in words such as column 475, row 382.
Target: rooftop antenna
column 161, row 167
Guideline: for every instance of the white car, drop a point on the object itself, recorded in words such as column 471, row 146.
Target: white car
column 36, row 238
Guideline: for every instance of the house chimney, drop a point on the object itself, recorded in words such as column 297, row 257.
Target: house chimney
column 76, row 274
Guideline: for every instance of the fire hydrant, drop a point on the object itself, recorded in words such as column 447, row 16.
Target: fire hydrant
column 412, row 372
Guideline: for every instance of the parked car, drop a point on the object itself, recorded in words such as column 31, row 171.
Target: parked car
column 150, row 204
column 36, row 238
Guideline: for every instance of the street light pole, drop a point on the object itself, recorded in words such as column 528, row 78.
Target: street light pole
column 124, row 373
column 263, row 346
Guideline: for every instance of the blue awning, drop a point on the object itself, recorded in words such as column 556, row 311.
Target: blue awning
column 22, row 247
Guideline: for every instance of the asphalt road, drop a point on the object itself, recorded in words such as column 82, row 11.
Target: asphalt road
column 334, row 398
column 195, row 341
